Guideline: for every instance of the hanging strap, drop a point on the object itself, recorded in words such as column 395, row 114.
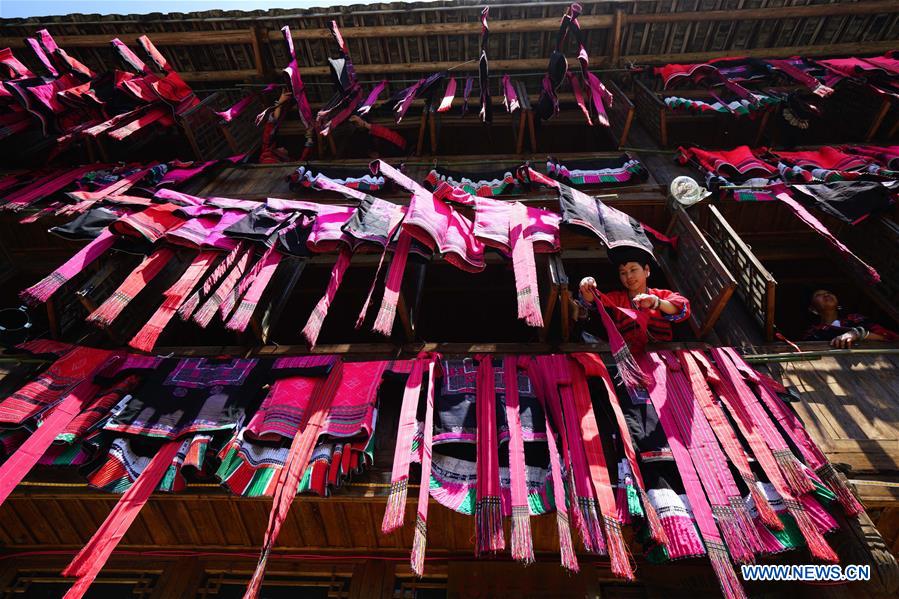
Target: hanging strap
column 296, row 81
column 320, row 312
column 488, row 509
column 753, row 414
column 594, row 366
column 295, row 464
column 486, row 112
column 734, row 522
column 628, row 369
column 730, row 395
column 133, row 284
column 579, row 97
column 391, row 231
column 420, row 541
column 386, row 314
column 566, row 546
column 399, row 479
column 790, row 423
column 188, row 308
column 407, row 96
column 524, row 267
column 244, row 312
column 564, row 412
column 542, row 375
column 576, row 400
column 726, row 436
column 208, row 310
column 93, row 556
column 522, row 541
column 174, row 297
column 510, row 97
column 659, row 393
column 41, row 292
column 466, row 94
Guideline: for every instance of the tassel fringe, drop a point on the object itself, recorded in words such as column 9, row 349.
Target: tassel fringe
column 618, row 553
column 522, row 541
column 384, row 321
column 727, row 578
column 591, row 530
column 746, row 525
column 489, row 526
column 793, row 472
column 396, row 506
column 419, row 545
column 766, row 512
column 40, row 292
column 815, row 541
column 566, row 547
column 656, row 530
column 837, row 484
column 734, row 538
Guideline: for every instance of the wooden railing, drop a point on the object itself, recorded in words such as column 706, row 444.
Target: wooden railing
column 755, row 285
column 697, row 272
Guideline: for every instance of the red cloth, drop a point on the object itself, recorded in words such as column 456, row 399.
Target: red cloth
column 388, row 135
column 639, row 327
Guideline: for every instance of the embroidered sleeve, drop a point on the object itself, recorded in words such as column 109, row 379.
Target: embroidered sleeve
column 679, row 301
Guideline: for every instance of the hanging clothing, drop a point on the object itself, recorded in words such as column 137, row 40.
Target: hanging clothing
column 478, row 183
column 851, row 201
column 600, row 171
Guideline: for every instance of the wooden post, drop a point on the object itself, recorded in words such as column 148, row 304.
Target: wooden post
column 878, row 120
column 421, row 131
column 258, row 35
column 617, row 28
column 433, row 128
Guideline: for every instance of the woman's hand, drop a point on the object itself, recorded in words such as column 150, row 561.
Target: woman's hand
column 645, row 301
column 588, row 289
column 845, row 340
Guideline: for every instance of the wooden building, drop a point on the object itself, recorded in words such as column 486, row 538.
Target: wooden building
column 745, row 266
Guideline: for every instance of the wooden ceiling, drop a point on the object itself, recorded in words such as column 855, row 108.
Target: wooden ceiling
column 400, row 41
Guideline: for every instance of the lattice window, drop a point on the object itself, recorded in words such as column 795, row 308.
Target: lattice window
column 755, row 285
column 210, row 138
column 698, row 273
column 111, row 584
column 330, row 583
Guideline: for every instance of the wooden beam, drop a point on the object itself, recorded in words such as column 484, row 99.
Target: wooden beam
column 617, row 28
column 160, row 38
column 852, row 49
column 435, row 29
column 767, row 14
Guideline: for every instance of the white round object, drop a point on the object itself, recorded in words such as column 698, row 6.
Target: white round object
column 686, row 191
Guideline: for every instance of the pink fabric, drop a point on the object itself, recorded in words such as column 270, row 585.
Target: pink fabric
column 327, row 234
column 320, row 311
column 292, row 70
column 493, row 217
column 447, row 101
column 93, row 556
column 27, row 455
column 812, row 221
column 435, row 224
column 372, row 98
column 42, row 291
